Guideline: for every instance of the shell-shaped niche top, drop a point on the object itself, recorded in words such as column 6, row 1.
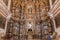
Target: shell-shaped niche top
column 4, row 10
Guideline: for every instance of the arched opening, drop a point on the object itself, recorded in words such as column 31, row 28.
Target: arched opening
column 2, row 22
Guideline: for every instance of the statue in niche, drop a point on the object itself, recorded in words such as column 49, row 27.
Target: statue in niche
column 29, row 25
column 23, row 28
column 30, row 10
column 16, row 28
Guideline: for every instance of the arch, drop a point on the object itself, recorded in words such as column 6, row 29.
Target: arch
column 6, row 15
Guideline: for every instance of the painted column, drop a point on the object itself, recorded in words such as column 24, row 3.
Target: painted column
column 52, row 17
column 54, row 24
column 50, row 1
column 9, row 4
